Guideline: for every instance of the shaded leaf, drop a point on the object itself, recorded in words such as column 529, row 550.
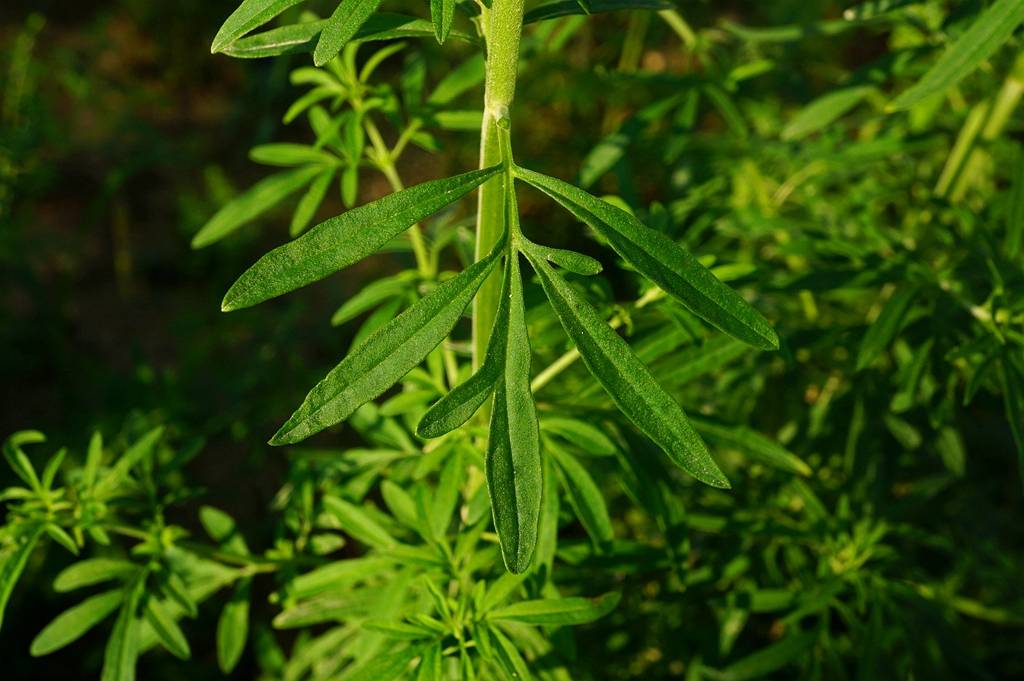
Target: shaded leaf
column 558, row 611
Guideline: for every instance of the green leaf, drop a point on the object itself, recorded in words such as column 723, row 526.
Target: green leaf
column 986, row 35
column 13, row 559
column 372, row 295
column 92, row 571
column 462, row 78
column 585, row 437
column 825, row 110
column 249, row 15
column 123, row 645
column 558, row 611
column 628, row 381
column 429, row 668
column 753, row 444
column 564, row 8
column 60, row 535
column 387, row 667
column 441, row 14
column 287, row 155
column 1015, row 212
column 222, row 529
column 513, row 466
column 446, row 496
column 299, row 37
column 585, row 497
column 93, row 459
column 511, row 661
column 127, row 461
column 1013, row 398
column 663, row 261
column 885, row 327
column 73, row 623
column 52, row 467
column 260, row 198
column 233, row 628
column 356, row 522
column 459, row 405
column 346, row 239
column 771, row 658
column 342, row 27
column 18, row 460
column 386, row 356
column 166, row 629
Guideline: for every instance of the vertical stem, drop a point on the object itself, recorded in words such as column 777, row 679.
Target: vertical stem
column 502, row 25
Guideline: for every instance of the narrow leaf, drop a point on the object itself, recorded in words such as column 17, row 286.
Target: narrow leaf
column 358, row 523
column 753, row 444
column 441, row 14
column 18, row 460
column 988, row 33
column 166, row 629
column 628, row 380
column 823, row 111
column 1013, row 397
column 260, row 198
column 249, row 15
column 342, row 27
column 13, row 559
column 558, row 611
column 387, row 667
column 233, row 628
column 885, row 327
column 513, row 465
column 386, row 356
column 73, row 623
column 123, row 645
column 92, row 571
column 585, row 497
column 771, row 658
column 346, row 239
column 663, row 261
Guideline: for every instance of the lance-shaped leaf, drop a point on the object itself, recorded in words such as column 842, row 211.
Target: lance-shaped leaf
column 513, row 466
column 459, row 405
column 249, row 15
column 628, row 380
column 563, row 8
column 12, row 562
column 233, row 627
column 346, row 239
column 556, row 611
column 884, row 329
column 123, row 645
column 92, row 571
column 663, row 261
column 73, row 623
column 260, row 198
column 993, row 28
column 584, row 496
column 386, row 356
column 753, row 444
column 166, row 629
column 299, row 37
column 441, row 14
column 342, row 27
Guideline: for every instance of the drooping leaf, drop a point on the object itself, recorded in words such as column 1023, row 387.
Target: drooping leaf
column 884, row 329
column 343, row 25
column 513, row 465
column 441, row 14
column 13, row 559
column 123, row 645
column 249, row 15
column 558, row 611
column 346, row 239
column 92, row 571
column 233, row 628
column 628, row 381
column 458, row 405
column 585, row 497
column 73, row 623
column 167, row 631
column 753, row 444
column 386, row 356
column 986, row 35
column 260, row 198
column 663, row 261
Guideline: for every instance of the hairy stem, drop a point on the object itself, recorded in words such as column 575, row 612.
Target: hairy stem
column 502, row 25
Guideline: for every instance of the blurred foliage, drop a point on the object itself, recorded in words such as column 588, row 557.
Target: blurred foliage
column 870, row 532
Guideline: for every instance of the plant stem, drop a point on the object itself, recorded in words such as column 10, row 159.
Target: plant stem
column 502, row 25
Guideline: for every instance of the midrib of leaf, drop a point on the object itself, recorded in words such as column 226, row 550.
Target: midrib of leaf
column 249, row 15
column 347, row 19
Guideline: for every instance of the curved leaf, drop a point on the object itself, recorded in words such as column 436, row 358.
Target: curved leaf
column 73, row 623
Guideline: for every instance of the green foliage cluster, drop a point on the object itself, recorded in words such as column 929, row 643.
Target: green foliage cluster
column 849, row 520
